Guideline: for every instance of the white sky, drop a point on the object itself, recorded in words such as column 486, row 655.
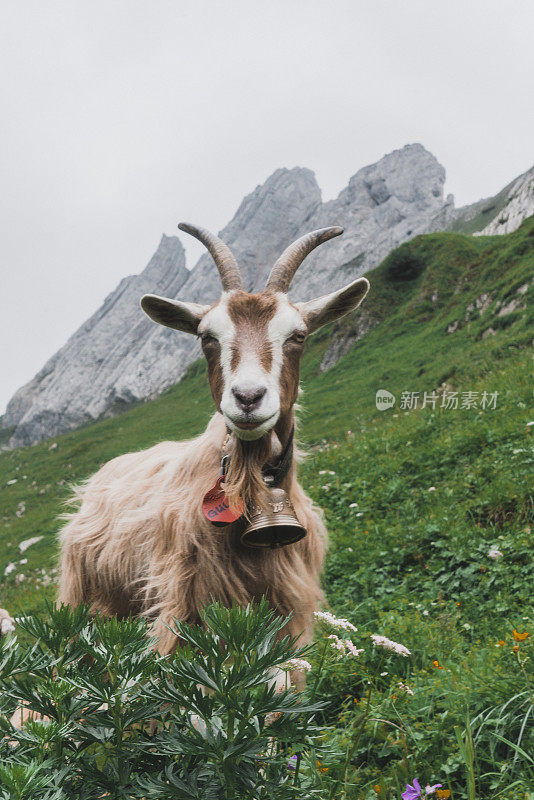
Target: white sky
column 121, row 117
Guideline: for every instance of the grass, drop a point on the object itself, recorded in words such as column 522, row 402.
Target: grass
column 415, row 500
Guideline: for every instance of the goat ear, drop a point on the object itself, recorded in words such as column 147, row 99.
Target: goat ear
column 173, row 313
column 329, row 307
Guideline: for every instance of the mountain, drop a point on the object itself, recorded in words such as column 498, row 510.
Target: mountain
column 90, row 375
column 118, row 356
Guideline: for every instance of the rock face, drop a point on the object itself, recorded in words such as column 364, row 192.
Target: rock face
column 383, row 205
column 119, row 355
column 86, row 378
column 519, row 204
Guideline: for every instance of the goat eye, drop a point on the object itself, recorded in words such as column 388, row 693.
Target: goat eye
column 207, row 338
column 298, row 337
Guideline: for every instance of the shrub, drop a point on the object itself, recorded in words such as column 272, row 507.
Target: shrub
column 100, row 690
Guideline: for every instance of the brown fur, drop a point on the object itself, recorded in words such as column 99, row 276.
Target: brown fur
column 251, row 314
column 139, row 543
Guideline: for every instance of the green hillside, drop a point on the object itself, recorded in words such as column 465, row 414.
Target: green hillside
column 415, row 498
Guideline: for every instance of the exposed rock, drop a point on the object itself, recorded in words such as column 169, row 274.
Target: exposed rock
column 513, row 305
column 383, row 205
column 340, row 345
column 519, row 205
column 81, row 381
column 23, row 546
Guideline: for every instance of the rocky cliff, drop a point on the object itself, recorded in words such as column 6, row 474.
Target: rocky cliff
column 518, row 205
column 119, row 356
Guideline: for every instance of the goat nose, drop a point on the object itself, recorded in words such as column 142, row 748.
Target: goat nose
column 249, row 400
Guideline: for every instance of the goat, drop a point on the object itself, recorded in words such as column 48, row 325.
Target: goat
column 139, row 542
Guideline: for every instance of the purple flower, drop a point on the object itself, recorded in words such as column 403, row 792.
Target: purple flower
column 412, row 792
column 292, row 763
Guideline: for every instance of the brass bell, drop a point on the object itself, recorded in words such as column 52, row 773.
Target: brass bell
column 275, row 525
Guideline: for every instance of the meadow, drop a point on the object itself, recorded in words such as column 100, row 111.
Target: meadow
column 429, row 511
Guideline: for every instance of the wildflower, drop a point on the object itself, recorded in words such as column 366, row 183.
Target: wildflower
column 501, row 643
column 432, row 789
column 344, row 645
column 353, row 505
column 377, row 788
column 436, row 664
column 320, row 767
column 292, row 763
column 335, row 622
column 494, row 553
column 431, row 488
column 412, row 792
column 515, row 648
column 296, row 663
column 338, row 644
column 353, row 650
column 519, row 637
column 388, row 644
column 322, row 472
column 443, row 794
column 404, row 688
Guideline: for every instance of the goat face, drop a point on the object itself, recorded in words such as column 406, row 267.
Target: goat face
column 253, row 342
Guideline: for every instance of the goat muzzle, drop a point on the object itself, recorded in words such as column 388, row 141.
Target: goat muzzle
column 274, row 524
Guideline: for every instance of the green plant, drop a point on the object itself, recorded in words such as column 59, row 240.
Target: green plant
column 115, row 719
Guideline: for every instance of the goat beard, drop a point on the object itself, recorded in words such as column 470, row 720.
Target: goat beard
column 244, row 480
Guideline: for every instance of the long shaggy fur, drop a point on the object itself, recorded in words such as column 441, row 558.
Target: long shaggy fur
column 139, row 543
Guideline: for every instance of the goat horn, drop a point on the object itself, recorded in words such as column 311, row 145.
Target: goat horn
column 282, row 273
column 221, row 254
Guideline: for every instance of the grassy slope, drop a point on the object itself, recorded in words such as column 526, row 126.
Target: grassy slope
column 409, row 562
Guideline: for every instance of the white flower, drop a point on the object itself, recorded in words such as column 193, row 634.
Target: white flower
column 7, row 624
column 431, row 488
column 322, row 472
column 296, row 663
column 425, row 613
column 338, row 644
column 404, row 688
column 494, row 553
column 351, row 647
column 326, row 616
column 353, row 505
column 388, row 644
column 343, row 646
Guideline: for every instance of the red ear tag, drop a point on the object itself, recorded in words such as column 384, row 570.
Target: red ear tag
column 215, row 506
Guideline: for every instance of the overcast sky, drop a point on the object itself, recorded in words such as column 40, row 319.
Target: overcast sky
column 120, row 118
